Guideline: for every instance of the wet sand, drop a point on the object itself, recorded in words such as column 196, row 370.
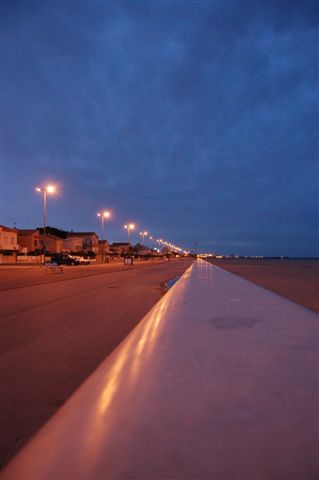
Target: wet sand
column 297, row 280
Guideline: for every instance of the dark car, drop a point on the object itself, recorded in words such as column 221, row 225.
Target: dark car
column 64, row 259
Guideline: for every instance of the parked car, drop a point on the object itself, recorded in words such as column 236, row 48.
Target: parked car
column 81, row 260
column 64, row 259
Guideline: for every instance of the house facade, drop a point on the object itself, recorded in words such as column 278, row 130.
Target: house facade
column 73, row 244
column 104, row 246
column 29, row 240
column 53, row 244
column 90, row 241
column 8, row 239
column 145, row 251
column 119, row 248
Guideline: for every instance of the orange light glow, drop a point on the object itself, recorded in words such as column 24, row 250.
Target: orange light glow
column 48, row 189
column 130, row 226
column 105, row 214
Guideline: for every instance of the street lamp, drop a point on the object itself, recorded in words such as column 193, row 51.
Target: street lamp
column 103, row 215
column 129, row 227
column 45, row 190
column 153, row 241
column 143, row 235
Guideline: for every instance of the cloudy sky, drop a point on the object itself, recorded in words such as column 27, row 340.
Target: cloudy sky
column 198, row 120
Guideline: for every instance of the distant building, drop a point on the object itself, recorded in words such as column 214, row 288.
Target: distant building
column 90, row 241
column 143, row 250
column 104, row 246
column 8, row 239
column 73, row 243
column 29, row 240
column 53, row 244
column 119, row 248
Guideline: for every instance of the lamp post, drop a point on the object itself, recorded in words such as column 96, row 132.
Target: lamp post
column 160, row 241
column 129, row 227
column 45, row 190
column 143, row 235
column 103, row 215
column 153, row 241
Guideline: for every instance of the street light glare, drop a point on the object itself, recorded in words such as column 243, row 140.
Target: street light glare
column 48, row 189
column 104, row 214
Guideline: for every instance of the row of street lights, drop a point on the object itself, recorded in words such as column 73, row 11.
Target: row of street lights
column 103, row 215
column 131, row 226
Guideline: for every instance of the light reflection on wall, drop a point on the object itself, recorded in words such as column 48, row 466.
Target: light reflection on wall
column 132, row 359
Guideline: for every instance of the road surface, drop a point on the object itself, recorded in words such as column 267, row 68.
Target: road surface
column 56, row 329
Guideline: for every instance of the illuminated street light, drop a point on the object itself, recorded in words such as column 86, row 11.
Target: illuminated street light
column 129, row 227
column 153, row 241
column 45, row 190
column 143, row 235
column 103, row 215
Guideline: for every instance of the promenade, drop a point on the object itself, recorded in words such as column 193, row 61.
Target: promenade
column 56, row 329
column 219, row 381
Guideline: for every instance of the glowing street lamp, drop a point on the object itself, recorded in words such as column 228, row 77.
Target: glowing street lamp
column 47, row 189
column 153, row 241
column 103, row 215
column 143, row 235
column 129, row 227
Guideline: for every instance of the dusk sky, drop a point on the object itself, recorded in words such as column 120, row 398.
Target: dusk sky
column 197, row 120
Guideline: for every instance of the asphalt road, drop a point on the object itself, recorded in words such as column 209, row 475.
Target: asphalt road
column 56, row 329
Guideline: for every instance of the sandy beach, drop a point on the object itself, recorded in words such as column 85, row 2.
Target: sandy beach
column 295, row 279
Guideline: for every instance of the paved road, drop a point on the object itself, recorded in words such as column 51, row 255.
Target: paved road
column 56, row 329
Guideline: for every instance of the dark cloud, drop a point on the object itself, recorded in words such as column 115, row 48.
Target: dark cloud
column 198, row 120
